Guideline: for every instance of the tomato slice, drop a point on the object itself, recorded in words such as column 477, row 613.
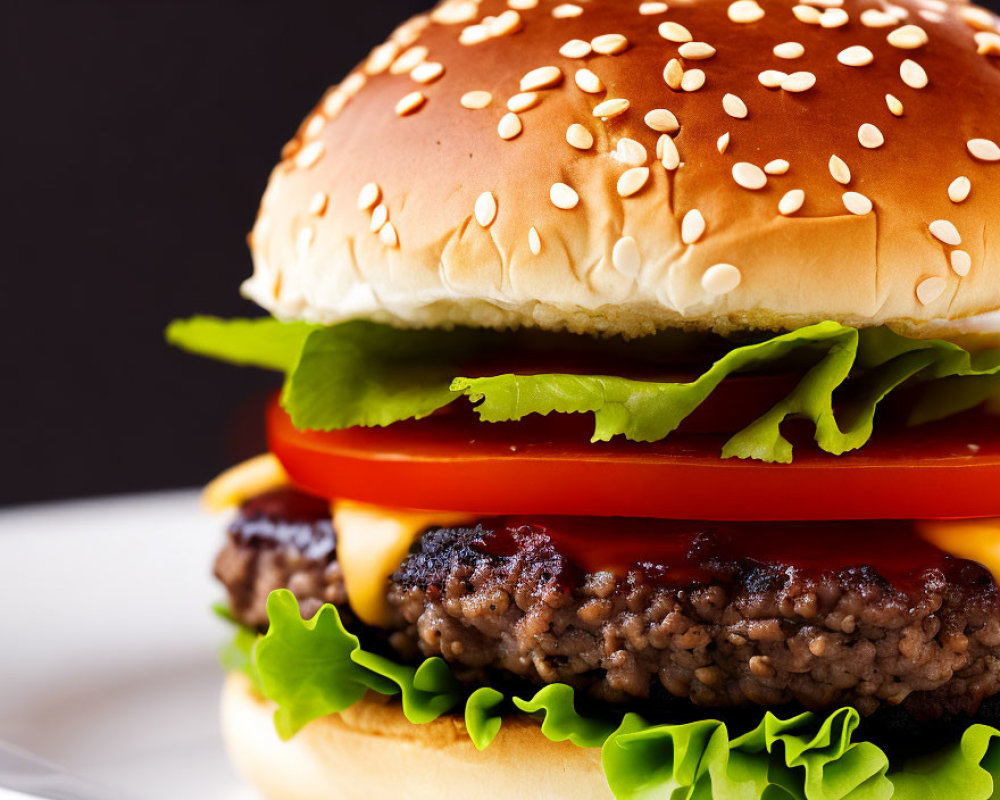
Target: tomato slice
column 545, row 465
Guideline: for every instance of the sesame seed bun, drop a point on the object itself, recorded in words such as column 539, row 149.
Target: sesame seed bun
column 617, row 166
column 372, row 751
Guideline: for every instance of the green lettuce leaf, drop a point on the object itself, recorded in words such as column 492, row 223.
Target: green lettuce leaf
column 296, row 658
column 310, row 668
column 359, row 373
column 264, row 342
column 363, row 373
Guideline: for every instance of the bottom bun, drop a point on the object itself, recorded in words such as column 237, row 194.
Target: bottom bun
column 372, row 751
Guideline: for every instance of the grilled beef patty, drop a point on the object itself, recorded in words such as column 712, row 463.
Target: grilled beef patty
column 702, row 620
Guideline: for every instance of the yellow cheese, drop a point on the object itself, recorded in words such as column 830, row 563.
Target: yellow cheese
column 973, row 539
column 372, row 542
column 246, row 480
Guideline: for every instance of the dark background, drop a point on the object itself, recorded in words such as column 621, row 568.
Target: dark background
column 136, row 138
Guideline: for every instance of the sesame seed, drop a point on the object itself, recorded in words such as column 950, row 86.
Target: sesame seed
column 662, row 121
column 839, row 170
column 931, row 16
column 898, row 12
column 455, row 12
column 609, row 44
column 576, row 48
column 745, row 11
column 631, row 152
column 611, row 108
column 807, row 14
column 314, row 126
column 908, row 37
column 670, row 157
column 913, row 74
column 873, row 18
column 945, row 232
column 563, row 196
column 894, row 104
column 381, row 58
column 856, row 56
column 534, row 241
column 566, row 11
column 649, row 9
column 721, row 279
column 505, row 24
column 474, row 34
column 380, row 216
column 486, row 209
column 734, row 106
column 523, row 101
column 428, row 72
column 304, row 241
column 789, row 50
column 476, row 100
column 799, row 82
column 696, row 51
column 987, row 43
column 410, row 103
column 772, row 78
column 722, row 143
column 388, row 235
column 523, row 5
column 977, row 18
column 834, row 18
column 959, row 189
column 673, row 74
column 930, row 289
column 632, row 181
column 409, row 60
column 693, row 80
column 961, row 263
column 541, row 78
column 791, row 202
column 588, row 81
column 675, row 32
column 749, row 176
column 309, row 155
column 579, row 137
column 983, row 149
column 318, row 203
column 692, row 226
column 857, row 203
column 510, row 126
column 626, row 257
column 777, row 167
column 870, row 136
column 369, row 196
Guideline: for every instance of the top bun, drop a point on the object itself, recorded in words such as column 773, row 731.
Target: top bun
column 617, row 166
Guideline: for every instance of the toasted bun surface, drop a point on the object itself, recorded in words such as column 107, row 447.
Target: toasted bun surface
column 372, row 751
column 397, row 202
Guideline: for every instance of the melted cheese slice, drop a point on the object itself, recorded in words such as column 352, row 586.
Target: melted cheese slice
column 972, row 539
column 372, row 542
column 243, row 482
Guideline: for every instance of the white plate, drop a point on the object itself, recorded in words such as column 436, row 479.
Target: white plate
column 107, row 644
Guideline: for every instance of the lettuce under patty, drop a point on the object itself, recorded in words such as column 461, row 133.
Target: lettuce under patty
column 368, row 374
column 311, row 668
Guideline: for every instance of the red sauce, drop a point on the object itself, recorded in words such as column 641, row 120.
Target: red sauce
column 679, row 551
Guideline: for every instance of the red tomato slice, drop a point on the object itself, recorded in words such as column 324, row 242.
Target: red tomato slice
column 545, row 465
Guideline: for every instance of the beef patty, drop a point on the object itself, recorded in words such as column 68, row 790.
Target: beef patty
column 515, row 599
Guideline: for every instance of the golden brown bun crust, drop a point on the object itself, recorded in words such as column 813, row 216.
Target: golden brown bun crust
column 371, row 751
column 619, row 263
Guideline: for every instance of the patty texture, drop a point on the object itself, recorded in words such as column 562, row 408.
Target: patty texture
column 510, row 600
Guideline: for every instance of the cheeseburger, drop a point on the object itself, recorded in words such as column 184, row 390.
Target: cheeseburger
column 638, row 431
